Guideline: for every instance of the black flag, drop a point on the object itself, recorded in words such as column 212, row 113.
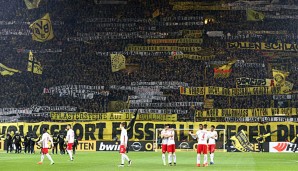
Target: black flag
column 131, row 125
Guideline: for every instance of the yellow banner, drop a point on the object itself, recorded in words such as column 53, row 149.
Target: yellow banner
column 221, row 91
column 162, row 48
column 91, row 131
column 193, row 57
column 174, row 41
column 84, row 116
column 86, row 146
column 247, row 112
column 263, row 46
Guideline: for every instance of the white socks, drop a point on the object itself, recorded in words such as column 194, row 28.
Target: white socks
column 170, row 158
column 41, row 158
column 205, row 159
column 163, row 156
column 198, row 158
column 212, row 157
column 49, row 157
column 124, row 157
column 174, row 157
column 70, row 154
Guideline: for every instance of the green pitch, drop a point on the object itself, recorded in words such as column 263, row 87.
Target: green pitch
column 149, row 161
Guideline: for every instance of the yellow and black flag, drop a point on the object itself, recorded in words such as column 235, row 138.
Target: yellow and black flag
column 33, row 65
column 117, row 62
column 31, row 4
column 254, row 15
column 156, row 13
column 280, row 77
column 6, row 71
column 224, row 71
column 42, row 29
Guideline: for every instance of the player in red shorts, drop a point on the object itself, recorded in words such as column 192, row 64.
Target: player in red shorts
column 211, row 143
column 164, row 137
column 70, row 141
column 123, row 145
column 171, row 147
column 202, row 137
column 45, row 147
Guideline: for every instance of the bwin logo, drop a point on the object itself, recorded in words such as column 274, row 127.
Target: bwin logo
column 108, row 147
column 136, row 146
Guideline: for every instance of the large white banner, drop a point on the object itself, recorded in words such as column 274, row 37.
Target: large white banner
column 77, row 91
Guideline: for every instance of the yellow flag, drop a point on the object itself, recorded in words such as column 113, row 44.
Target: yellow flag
column 156, row 13
column 4, row 70
column 33, row 65
column 279, row 77
column 254, row 15
column 116, row 106
column 117, row 62
column 224, row 71
column 42, row 29
column 31, row 4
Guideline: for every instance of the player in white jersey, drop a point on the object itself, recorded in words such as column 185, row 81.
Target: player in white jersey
column 212, row 143
column 164, row 143
column 70, row 141
column 171, row 147
column 123, row 145
column 46, row 138
column 202, row 137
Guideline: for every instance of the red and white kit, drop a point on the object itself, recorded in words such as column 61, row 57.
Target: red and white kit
column 171, row 141
column 123, row 141
column 70, row 139
column 164, row 142
column 44, row 141
column 202, row 136
column 211, row 141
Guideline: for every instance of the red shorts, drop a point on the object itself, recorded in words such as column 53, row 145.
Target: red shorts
column 45, row 150
column 171, row 148
column 164, row 148
column 211, row 148
column 122, row 149
column 202, row 148
column 69, row 146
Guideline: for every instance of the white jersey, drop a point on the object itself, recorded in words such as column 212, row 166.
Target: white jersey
column 45, row 139
column 212, row 134
column 164, row 139
column 202, row 136
column 70, row 136
column 171, row 139
column 123, row 137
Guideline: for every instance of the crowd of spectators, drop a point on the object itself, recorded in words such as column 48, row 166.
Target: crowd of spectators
column 82, row 61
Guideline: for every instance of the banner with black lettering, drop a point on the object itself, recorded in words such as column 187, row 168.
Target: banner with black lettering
column 244, row 81
column 145, row 130
column 117, row 116
column 263, row 46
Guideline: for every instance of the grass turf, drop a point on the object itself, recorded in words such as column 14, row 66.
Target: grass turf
column 149, row 161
